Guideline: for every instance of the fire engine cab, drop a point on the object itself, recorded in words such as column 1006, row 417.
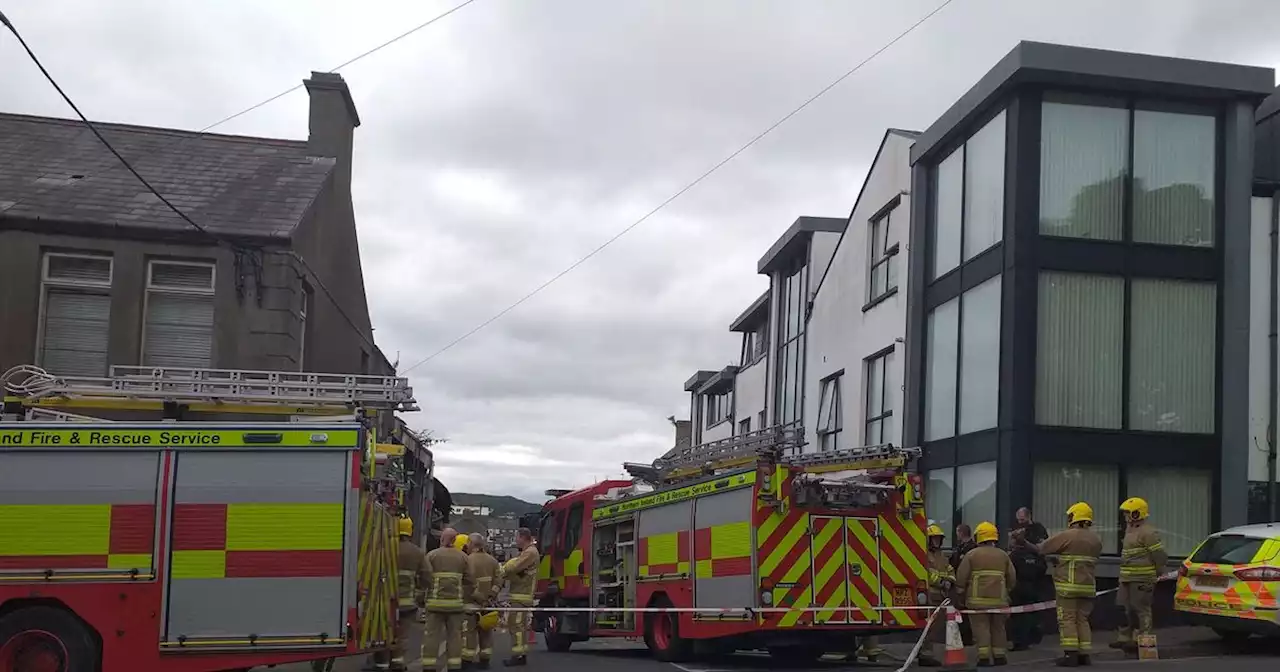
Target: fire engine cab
column 796, row 554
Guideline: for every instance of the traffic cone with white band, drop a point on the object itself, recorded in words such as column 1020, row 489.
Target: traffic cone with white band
column 956, row 658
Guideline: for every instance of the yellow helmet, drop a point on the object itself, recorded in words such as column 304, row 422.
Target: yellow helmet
column 460, row 542
column 986, row 532
column 488, row 620
column 404, row 527
column 1080, row 512
column 1135, row 508
column 935, row 531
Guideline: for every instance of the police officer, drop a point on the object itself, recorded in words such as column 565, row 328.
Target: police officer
column 477, row 648
column 521, row 573
column 410, row 580
column 1076, row 549
column 941, row 579
column 449, row 578
column 985, row 576
column 1141, row 559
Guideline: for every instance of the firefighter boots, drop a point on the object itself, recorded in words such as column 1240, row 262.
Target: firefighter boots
column 515, row 661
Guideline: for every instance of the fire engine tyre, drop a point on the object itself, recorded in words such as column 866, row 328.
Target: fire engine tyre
column 662, row 634
column 557, row 643
column 795, row 656
column 42, row 638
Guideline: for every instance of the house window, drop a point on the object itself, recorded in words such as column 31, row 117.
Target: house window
column 178, row 327
column 1082, row 354
column 744, row 427
column 830, row 417
column 1181, row 499
column 754, row 344
column 760, row 424
column 75, row 312
column 719, row 408
column 790, row 372
column 968, row 216
column 962, row 375
column 304, row 328
column 883, row 273
column 881, row 391
column 1087, row 146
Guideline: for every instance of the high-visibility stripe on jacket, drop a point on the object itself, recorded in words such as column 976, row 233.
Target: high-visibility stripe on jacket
column 1077, row 550
column 488, row 573
column 939, row 571
column 449, row 578
column 985, row 576
column 411, row 578
column 521, row 573
column 1142, row 556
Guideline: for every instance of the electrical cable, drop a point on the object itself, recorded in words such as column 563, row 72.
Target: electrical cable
column 750, row 143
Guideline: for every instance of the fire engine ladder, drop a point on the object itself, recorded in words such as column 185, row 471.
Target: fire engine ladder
column 36, row 394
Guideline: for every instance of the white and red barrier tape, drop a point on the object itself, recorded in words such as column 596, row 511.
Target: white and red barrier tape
column 747, row 611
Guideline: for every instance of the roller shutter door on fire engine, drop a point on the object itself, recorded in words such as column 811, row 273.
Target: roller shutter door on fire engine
column 78, row 514
column 665, row 545
column 722, row 550
column 257, row 544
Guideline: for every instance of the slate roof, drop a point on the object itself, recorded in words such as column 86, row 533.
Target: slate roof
column 55, row 169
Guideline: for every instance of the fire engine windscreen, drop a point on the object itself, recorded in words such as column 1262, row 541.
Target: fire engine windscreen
column 851, row 489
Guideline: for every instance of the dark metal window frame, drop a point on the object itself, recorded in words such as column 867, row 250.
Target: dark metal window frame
column 798, row 271
column 708, row 399
column 882, row 257
column 755, row 345
column 881, row 415
column 826, row 386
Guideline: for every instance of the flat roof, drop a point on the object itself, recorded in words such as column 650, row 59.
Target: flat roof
column 696, row 380
column 795, row 237
column 1102, row 69
column 752, row 316
column 1270, row 106
column 721, row 382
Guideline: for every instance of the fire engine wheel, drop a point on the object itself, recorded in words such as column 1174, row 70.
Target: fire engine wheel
column 662, row 634
column 45, row 639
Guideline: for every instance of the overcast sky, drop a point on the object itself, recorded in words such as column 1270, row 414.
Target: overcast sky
column 504, row 142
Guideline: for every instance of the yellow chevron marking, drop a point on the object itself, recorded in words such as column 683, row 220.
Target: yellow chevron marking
column 792, row 538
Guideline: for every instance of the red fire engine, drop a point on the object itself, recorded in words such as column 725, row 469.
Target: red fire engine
column 196, row 543
column 740, row 532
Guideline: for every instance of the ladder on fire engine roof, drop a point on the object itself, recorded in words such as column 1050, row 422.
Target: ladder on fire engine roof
column 44, row 396
column 742, row 450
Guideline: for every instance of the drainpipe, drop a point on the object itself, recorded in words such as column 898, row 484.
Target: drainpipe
column 1272, row 372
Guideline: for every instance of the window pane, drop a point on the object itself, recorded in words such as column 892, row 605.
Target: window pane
column 891, row 272
column 1180, row 499
column 95, row 270
column 1083, row 151
column 1079, row 350
column 181, row 276
column 939, row 500
column 1055, row 487
column 887, row 434
column 1171, row 355
column 980, row 357
column 178, row 331
column 788, row 382
column 1173, row 186
column 879, row 280
column 946, row 213
column 984, row 188
column 74, row 334
column 877, row 237
column 875, row 387
column 874, row 432
column 940, row 376
column 976, row 493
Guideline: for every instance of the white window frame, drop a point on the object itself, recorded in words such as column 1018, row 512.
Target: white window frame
column 188, row 291
column 85, row 286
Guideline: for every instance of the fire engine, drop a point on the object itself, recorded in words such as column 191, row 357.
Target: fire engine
column 739, row 529
column 201, row 541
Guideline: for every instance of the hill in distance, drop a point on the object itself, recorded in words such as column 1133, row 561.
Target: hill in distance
column 499, row 504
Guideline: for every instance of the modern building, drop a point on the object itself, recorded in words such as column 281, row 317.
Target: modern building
column 95, row 270
column 1264, row 301
column 1078, row 295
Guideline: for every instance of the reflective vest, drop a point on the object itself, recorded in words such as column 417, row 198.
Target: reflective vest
column 1077, row 550
column 986, row 573
column 1142, row 556
column 449, row 579
column 411, row 576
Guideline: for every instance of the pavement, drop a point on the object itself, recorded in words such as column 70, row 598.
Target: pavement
column 1181, row 649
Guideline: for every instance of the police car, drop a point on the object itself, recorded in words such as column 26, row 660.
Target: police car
column 1232, row 581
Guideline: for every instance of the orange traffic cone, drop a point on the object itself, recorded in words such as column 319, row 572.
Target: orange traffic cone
column 956, row 658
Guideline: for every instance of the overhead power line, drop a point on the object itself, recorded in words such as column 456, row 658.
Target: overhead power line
column 683, row 190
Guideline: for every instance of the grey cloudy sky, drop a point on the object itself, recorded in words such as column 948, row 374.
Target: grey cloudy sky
column 509, row 139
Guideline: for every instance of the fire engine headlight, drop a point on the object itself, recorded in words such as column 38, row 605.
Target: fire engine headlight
column 766, row 598
column 922, row 598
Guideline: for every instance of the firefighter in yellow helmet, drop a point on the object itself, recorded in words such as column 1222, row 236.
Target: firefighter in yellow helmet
column 449, row 580
column 1076, row 550
column 1142, row 556
column 521, row 574
column 941, row 579
column 477, row 646
column 411, row 579
column 984, row 579
column 463, row 543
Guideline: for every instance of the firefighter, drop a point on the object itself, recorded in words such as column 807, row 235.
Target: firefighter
column 410, row 581
column 521, row 573
column 941, row 580
column 463, row 543
column 1077, row 549
column 985, row 576
column 1141, row 559
column 477, row 647
column 449, row 579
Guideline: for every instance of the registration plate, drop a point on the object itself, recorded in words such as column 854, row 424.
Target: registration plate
column 902, row 596
column 1211, row 582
